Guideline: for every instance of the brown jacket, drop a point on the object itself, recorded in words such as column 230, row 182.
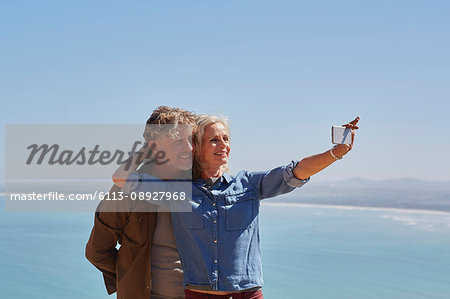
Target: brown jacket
column 125, row 271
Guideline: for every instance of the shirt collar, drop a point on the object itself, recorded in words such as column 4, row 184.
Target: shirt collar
column 225, row 177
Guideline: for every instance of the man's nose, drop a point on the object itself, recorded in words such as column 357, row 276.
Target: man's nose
column 187, row 145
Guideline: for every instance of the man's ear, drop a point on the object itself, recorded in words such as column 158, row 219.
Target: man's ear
column 153, row 144
column 152, row 148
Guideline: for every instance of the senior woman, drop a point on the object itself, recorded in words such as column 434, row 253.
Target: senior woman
column 218, row 242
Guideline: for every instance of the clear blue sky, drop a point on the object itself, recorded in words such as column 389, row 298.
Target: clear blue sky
column 283, row 72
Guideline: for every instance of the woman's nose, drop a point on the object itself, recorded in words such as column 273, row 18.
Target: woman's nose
column 222, row 143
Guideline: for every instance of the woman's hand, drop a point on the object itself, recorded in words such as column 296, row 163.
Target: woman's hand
column 130, row 165
column 341, row 150
column 313, row 164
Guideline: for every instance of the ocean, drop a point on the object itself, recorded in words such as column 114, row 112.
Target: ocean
column 309, row 251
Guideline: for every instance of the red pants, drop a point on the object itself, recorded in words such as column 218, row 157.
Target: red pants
column 189, row 294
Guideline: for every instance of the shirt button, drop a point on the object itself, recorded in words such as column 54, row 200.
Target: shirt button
column 215, row 261
column 214, row 204
column 214, row 221
column 215, row 241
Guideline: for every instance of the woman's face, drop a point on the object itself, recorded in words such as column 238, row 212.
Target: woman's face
column 215, row 148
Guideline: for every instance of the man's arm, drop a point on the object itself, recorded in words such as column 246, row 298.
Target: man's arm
column 313, row 164
column 101, row 248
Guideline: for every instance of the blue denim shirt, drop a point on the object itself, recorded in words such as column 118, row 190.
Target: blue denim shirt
column 218, row 242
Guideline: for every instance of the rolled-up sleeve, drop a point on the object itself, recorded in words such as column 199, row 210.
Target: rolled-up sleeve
column 277, row 181
column 289, row 177
column 133, row 182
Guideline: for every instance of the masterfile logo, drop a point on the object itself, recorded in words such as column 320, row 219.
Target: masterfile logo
column 69, row 167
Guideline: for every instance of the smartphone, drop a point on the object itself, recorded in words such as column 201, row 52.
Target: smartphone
column 341, row 135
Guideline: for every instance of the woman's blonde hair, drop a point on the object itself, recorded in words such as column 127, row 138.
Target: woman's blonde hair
column 203, row 121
